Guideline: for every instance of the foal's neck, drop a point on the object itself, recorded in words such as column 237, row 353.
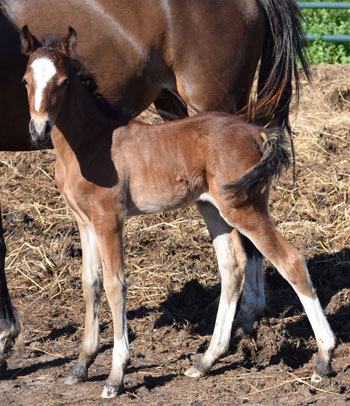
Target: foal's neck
column 81, row 123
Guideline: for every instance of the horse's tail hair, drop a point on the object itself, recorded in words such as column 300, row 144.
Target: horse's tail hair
column 283, row 47
column 275, row 158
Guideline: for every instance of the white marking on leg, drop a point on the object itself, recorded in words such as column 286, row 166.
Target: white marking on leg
column 120, row 358
column 322, row 330
column 121, row 351
column 222, row 333
column 43, row 71
column 3, row 339
column 230, row 286
column 220, row 340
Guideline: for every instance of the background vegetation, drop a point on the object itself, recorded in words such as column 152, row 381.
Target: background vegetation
column 333, row 22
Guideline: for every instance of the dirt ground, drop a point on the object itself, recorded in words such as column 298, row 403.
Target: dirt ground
column 172, row 277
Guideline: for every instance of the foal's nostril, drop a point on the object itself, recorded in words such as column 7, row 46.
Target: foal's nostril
column 47, row 130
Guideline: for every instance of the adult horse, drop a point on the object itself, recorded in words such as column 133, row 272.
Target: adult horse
column 207, row 52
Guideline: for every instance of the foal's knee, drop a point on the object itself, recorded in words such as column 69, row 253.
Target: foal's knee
column 114, row 286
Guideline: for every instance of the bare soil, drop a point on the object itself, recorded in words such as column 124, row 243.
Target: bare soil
column 172, row 277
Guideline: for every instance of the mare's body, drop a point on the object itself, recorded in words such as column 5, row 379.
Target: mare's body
column 206, row 51
column 108, row 170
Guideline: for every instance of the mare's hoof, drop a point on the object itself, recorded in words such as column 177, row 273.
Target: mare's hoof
column 73, row 379
column 197, row 370
column 77, row 375
column 243, row 327
column 3, row 365
column 110, row 390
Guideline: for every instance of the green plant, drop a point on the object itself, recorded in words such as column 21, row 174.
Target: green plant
column 326, row 21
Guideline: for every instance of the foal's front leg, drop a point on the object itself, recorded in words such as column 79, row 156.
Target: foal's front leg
column 92, row 286
column 110, row 241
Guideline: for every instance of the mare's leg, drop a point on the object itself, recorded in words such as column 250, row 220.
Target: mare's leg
column 253, row 298
column 110, row 241
column 92, row 286
column 9, row 326
column 169, row 106
column 255, row 224
column 232, row 263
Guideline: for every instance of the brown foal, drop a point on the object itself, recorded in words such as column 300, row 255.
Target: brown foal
column 108, row 169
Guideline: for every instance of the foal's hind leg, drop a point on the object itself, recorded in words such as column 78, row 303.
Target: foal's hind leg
column 292, row 266
column 92, row 286
column 232, row 263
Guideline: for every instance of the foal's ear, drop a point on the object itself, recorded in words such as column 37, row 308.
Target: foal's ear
column 69, row 43
column 28, row 42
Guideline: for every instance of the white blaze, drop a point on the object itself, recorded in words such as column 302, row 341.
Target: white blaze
column 43, row 71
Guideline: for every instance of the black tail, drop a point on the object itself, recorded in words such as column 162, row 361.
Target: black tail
column 282, row 49
column 275, row 157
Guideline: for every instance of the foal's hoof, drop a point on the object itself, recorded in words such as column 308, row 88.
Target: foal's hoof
column 316, row 378
column 110, row 390
column 322, row 368
column 197, row 370
column 77, row 375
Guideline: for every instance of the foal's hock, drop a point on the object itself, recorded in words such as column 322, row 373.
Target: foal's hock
column 108, row 169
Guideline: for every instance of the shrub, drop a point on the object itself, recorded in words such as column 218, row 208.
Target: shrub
column 325, row 21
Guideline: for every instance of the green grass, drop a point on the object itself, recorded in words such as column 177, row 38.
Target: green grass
column 333, row 22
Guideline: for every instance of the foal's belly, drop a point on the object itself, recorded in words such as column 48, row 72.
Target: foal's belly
column 154, row 198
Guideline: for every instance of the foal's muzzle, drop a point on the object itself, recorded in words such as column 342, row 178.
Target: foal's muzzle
column 40, row 132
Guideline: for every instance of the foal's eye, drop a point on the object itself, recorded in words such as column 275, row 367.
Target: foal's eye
column 65, row 83
column 25, row 82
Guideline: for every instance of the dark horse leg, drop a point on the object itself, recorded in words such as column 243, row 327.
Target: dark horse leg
column 170, row 106
column 9, row 326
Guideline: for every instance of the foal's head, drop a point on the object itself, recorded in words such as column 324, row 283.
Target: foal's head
column 47, row 80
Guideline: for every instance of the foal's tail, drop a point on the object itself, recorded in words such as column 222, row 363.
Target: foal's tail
column 274, row 159
column 282, row 49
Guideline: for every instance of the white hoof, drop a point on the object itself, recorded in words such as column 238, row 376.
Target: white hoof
column 316, row 378
column 110, row 391
column 194, row 372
